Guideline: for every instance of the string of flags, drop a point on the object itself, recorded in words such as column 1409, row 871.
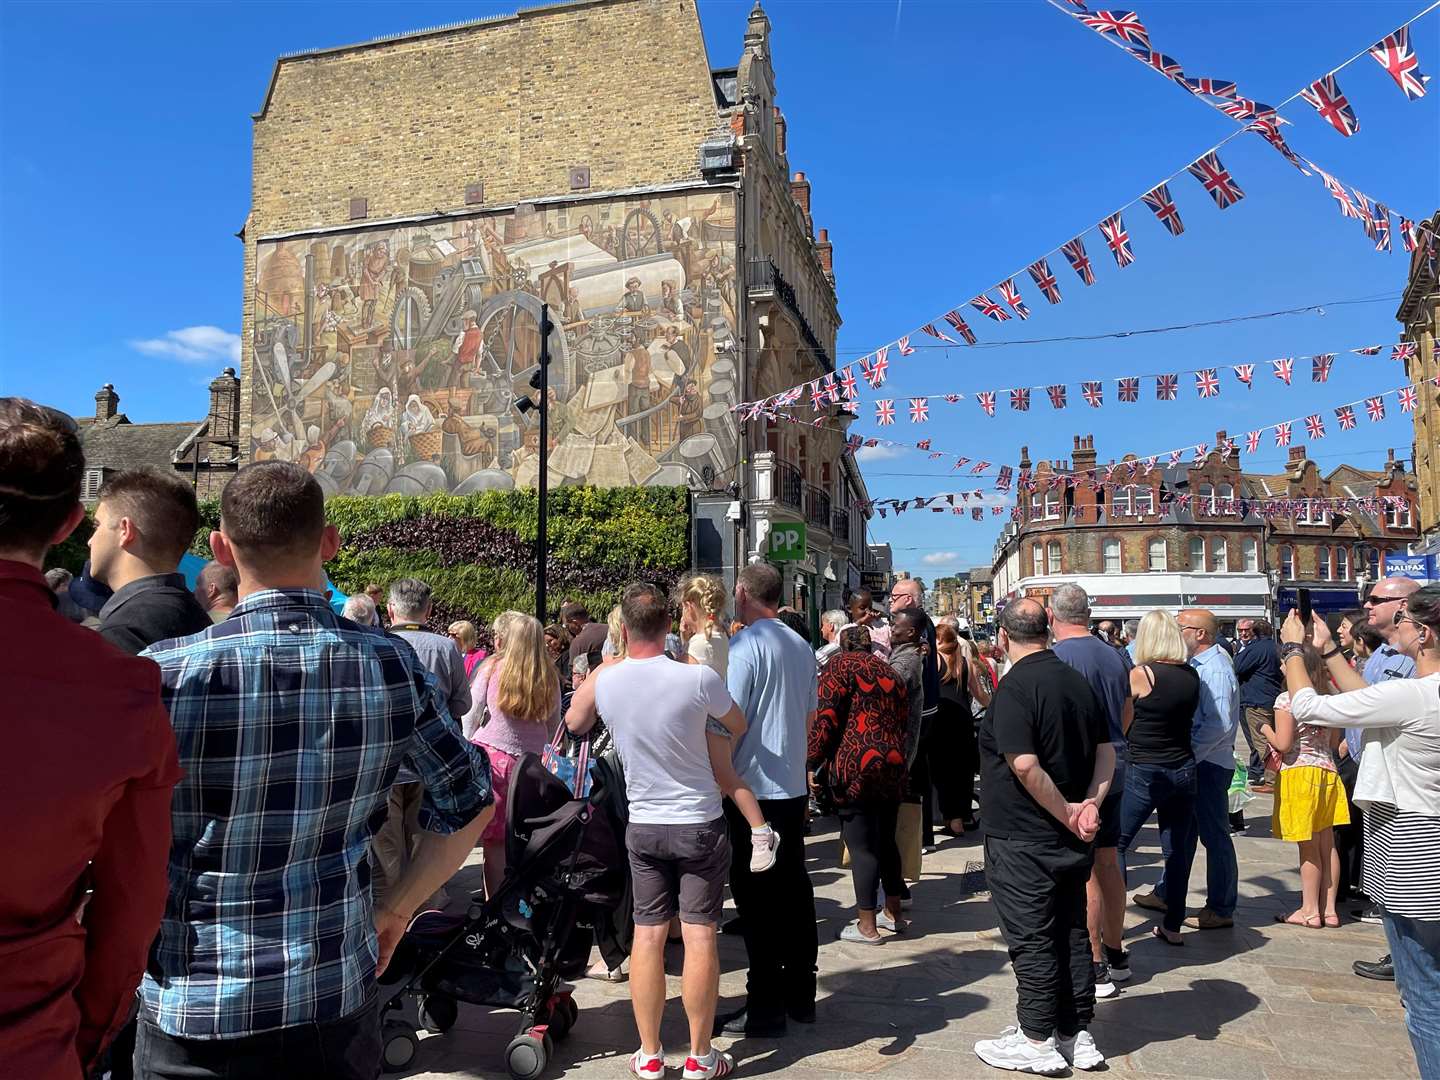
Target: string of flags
column 1394, row 52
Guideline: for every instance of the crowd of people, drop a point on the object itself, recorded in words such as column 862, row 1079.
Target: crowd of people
column 237, row 799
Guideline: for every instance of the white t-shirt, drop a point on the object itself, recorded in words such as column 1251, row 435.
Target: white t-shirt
column 657, row 708
column 711, row 648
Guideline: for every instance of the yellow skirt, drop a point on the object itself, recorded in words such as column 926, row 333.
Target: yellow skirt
column 1308, row 798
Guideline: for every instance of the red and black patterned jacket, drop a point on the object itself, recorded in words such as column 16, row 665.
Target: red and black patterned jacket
column 859, row 730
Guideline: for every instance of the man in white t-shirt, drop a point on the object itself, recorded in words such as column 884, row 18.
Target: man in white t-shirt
column 679, row 845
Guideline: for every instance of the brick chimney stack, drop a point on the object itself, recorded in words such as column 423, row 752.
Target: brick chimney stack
column 800, row 192
column 1084, row 453
column 1024, row 457
column 825, row 252
column 225, row 407
column 779, row 132
column 107, row 402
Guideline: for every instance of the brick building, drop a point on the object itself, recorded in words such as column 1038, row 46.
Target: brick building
column 1192, row 535
column 417, row 198
column 979, row 600
column 1418, row 314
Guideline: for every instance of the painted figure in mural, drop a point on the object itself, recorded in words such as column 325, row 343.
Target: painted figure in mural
column 417, row 418
column 689, row 406
column 326, row 342
column 474, row 442
column 381, row 419
column 372, row 280
column 673, row 343
column 574, row 312
column 669, row 300
column 466, row 349
column 633, row 302
column 639, row 369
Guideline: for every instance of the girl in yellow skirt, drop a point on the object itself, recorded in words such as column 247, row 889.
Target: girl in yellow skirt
column 1309, row 800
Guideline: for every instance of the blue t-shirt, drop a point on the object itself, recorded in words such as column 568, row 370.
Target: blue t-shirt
column 1104, row 669
column 772, row 678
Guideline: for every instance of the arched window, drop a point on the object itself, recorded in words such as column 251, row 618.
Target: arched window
column 1197, row 555
column 1322, row 562
column 1251, row 551
column 1375, row 556
column 1158, row 555
column 1054, row 555
column 1342, row 564
column 1219, row 562
column 1287, row 562
column 1111, row 551
column 1037, row 559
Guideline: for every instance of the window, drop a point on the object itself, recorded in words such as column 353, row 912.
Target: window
column 1322, row 563
column 1314, row 513
column 1206, row 496
column 1226, row 496
column 1158, row 555
column 1197, row 555
column 1342, row 564
column 1287, row 562
column 1144, row 500
column 1251, row 550
column 1111, row 550
column 1054, row 553
column 1373, row 558
column 1397, row 514
column 1037, row 506
column 1052, row 506
column 91, row 483
column 1037, row 560
column 1219, row 562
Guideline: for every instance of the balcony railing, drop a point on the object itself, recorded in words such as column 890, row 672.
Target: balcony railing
column 840, row 525
column 817, row 507
column 761, row 275
column 790, row 491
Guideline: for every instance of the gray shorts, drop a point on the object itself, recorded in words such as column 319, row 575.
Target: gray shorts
column 678, row 865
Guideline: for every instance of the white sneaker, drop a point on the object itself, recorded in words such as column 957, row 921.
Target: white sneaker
column 885, row 921
column 852, row 932
column 647, row 1068
column 764, row 844
column 1081, row 1051
column 1013, row 1050
column 716, row 1065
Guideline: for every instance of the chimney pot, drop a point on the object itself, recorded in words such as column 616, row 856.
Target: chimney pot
column 107, row 402
column 1297, row 453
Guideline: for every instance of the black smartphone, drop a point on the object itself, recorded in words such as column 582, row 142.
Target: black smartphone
column 1302, row 597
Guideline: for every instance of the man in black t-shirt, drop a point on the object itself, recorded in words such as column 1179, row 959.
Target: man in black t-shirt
column 1045, row 765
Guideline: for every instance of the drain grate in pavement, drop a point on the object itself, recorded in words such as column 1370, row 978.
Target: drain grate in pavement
column 973, row 880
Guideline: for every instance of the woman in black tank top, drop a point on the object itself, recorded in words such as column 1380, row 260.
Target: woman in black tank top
column 1161, row 773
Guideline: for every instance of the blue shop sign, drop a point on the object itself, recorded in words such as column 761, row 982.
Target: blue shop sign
column 1419, row 567
column 1323, row 601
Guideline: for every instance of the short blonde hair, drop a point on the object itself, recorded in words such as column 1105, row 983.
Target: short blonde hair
column 1160, row 638
column 464, row 632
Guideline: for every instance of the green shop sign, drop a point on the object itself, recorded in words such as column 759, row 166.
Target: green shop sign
column 787, row 542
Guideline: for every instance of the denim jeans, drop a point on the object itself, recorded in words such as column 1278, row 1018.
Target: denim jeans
column 1171, row 791
column 1415, row 950
column 1212, row 828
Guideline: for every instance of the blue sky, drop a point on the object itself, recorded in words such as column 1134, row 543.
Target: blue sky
column 949, row 144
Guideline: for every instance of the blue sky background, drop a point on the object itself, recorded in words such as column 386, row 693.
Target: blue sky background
column 949, row 145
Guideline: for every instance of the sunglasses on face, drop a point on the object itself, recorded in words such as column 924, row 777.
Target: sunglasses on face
column 1374, row 600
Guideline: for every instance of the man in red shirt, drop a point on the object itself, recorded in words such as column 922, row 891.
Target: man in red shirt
column 86, row 810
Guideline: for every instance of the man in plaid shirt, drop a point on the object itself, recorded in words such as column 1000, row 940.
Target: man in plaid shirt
column 291, row 725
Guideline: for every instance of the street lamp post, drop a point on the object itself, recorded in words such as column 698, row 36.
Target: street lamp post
column 540, row 383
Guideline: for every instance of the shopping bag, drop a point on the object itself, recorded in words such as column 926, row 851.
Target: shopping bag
column 1239, row 796
column 573, row 770
column 907, row 837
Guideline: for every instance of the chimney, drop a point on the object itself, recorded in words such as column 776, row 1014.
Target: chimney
column 825, row 252
column 1084, row 453
column 779, row 132
column 1024, row 457
column 107, row 402
column 225, row 407
column 800, row 192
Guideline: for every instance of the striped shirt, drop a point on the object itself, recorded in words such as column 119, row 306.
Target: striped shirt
column 291, row 724
column 1399, row 870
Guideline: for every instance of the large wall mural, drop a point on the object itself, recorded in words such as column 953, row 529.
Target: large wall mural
column 392, row 360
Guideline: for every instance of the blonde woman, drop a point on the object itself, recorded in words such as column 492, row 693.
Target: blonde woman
column 466, row 639
column 521, row 690
column 1161, row 774
column 702, row 611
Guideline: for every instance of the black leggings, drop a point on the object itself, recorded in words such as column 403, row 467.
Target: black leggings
column 869, row 833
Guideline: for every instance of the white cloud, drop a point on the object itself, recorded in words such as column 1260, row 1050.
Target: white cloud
column 940, row 558
column 878, row 453
column 193, row 345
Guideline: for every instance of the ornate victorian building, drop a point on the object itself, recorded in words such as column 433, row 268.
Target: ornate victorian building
column 1418, row 314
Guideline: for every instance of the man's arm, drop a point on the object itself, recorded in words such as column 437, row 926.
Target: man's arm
column 1247, row 663
column 733, row 721
column 582, row 714
column 1127, row 715
column 1042, row 789
column 434, row 862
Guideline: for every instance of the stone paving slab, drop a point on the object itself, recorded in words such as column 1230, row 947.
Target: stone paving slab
column 1260, row 1001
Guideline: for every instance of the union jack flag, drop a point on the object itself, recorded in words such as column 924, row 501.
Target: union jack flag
column 854, row 442
column 929, row 328
column 1394, row 54
column 1200, row 451
column 955, row 319
column 1375, row 406
column 1206, row 383
column 1057, row 395
column 1245, row 109
column 832, row 388
column 1116, row 235
column 817, row 395
column 1284, row 369
column 884, row 412
column 1245, row 373
column 904, row 346
column 1346, row 415
column 1282, row 434
column 1341, row 196
column 986, row 401
column 1268, row 128
column 961, row 462
column 1045, row 280
column 923, row 444
column 1382, row 227
column 847, row 381
column 1079, row 261
column 1314, row 426
column 1407, row 399
column 1165, row 387
column 878, row 367
column 1093, row 395
column 1020, row 399
column 1166, row 65
column 1214, row 87
column 1011, row 296
column 1252, row 440
column 1159, row 200
column 1129, row 388
column 1367, row 216
column 986, row 306
column 1125, row 25
column 1175, row 456
column 1407, row 233
column 1403, row 351
column 1368, row 350
column 979, row 467
column 934, row 457
column 919, row 410
column 1320, row 367
column 1227, row 449
column 978, row 513
column 953, row 398
column 1003, row 477
column 1216, row 179
column 1326, row 98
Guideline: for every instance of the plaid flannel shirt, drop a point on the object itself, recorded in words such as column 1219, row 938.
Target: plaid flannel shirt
column 291, row 724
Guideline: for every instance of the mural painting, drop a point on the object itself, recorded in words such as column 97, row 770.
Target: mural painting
column 396, row 359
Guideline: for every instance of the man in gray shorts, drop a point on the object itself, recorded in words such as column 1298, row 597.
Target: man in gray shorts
column 657, row 710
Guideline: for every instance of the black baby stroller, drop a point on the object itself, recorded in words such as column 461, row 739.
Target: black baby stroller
column 564, row 869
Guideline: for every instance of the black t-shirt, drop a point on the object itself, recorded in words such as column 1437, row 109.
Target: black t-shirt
column 590, row 641
column 1046, row 708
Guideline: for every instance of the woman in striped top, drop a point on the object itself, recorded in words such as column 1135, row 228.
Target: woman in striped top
column 1399, row 789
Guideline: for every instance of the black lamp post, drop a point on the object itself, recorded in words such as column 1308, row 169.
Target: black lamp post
column 540, row 383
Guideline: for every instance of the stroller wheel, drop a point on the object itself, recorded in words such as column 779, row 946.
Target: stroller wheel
column 526, row 1057
column 562, row 1017
column 399, row 1046
column 438, row 1012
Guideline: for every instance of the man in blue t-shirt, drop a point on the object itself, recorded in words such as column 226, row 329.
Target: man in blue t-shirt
column 772, row 679
column 1105, row 669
